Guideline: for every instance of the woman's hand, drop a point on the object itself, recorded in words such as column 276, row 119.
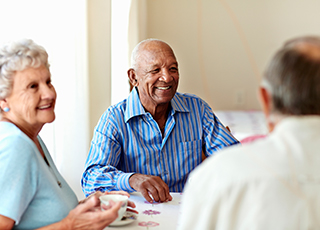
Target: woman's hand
column 130, row 203
column 88, row 215
column 6, row 222
column 99, row 193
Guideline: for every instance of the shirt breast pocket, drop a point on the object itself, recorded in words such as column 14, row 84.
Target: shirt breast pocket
column 191, row 154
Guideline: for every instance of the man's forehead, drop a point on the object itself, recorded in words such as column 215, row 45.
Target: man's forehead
column 154, row 55
column 151, row 63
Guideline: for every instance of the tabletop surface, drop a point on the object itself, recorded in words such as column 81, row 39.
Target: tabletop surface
column 153, row 216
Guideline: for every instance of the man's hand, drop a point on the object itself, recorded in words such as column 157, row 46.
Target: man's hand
column 150, row 185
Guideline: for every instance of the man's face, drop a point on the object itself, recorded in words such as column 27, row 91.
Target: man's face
column 157, row 74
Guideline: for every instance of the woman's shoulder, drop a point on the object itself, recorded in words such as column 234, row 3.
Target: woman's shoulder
column 7, row 129
column 10, row 131
column 13, row 140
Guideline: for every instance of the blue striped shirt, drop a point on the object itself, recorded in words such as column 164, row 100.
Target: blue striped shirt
column 127, row 140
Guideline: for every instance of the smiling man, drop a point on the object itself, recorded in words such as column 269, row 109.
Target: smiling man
column 151, row 141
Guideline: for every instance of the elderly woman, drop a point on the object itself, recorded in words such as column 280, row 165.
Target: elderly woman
column 33, row 194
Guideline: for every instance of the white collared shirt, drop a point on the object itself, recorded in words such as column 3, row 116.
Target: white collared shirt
column 273, row 183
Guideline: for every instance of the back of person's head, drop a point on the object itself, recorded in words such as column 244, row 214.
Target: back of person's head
column 18, row 56
column 293, row 78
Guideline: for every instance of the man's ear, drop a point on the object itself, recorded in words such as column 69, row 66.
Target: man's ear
column 132, row 77
column 264, row 99
column 266, row 103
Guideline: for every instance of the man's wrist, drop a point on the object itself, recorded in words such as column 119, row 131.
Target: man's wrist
column 123, row 182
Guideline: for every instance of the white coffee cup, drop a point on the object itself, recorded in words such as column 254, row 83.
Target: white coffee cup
column 105, row 199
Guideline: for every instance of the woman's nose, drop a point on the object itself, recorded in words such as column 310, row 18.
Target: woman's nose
column 48, row 92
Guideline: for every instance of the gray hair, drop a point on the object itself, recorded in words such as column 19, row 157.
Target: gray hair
column 18, row 56
column 136, row 51
column 293, row 78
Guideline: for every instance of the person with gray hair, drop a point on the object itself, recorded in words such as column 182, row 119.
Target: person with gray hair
column 271, row 183
column 33, row 194
column 152, row 140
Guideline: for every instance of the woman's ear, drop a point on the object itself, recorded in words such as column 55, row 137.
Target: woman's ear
column 3, row 104
column 132, row 77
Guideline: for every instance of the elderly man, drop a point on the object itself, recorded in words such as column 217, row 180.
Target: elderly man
column 272, row 183
column 151, row 141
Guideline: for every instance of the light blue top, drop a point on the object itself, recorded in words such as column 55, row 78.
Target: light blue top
column 127, row 139
column 29, row 193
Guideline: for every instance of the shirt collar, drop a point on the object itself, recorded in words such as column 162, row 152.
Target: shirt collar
column 135, row 108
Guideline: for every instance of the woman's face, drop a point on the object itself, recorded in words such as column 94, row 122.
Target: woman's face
column 32, row 99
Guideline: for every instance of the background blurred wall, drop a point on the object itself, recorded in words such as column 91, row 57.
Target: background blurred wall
column 223, row 46
column 99, row 58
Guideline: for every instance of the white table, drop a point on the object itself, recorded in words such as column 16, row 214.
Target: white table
column 154, row 216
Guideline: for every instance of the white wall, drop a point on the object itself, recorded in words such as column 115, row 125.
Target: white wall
column 223, row 46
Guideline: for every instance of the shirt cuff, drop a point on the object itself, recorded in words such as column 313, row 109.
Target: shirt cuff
column 123, row 182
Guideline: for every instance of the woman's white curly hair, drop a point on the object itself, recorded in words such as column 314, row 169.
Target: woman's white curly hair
column 18, row 56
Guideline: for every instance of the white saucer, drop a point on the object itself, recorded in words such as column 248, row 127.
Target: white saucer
column 131, row 216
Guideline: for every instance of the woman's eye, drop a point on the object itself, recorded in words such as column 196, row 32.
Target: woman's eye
column 32, row 86
column 173, row 69
column 49, row 82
